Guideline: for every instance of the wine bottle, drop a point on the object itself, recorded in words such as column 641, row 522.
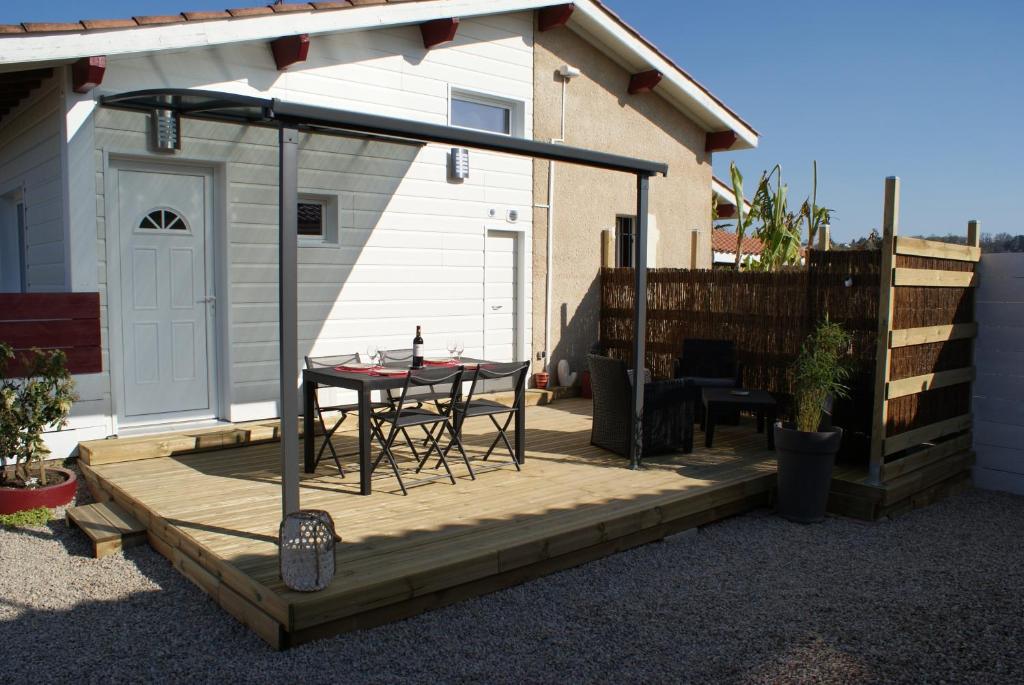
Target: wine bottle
column 417, row 350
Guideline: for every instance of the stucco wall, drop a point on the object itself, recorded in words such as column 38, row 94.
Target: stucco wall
column 601, row 115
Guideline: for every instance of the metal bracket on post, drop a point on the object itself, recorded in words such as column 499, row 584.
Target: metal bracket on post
column 288, row 287
column 643, row 182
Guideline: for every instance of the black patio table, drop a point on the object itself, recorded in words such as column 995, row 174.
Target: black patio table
column 718, row 399
column 364, row 384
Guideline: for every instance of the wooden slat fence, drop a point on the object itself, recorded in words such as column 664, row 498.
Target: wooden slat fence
column 925, row 357
column 65, row 321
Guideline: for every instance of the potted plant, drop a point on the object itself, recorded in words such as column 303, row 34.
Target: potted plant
column 28, row 405
column 806, row 450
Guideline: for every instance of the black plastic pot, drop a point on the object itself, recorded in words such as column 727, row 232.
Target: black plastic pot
column 805, row 463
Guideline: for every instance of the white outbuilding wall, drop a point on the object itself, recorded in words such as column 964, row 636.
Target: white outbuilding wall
column 411, row 244
column 999, row 358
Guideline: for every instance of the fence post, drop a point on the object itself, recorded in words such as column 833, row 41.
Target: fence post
column 825, row 238
column 974, row 233
column 607, row 249
column 883, row 354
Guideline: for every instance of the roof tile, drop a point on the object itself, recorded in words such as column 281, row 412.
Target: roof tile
column 291, row 7
column 155, row 19
column 249, row 11
column 368, row 2
column 12, row 28
column 332, row 5
column 91, row 24
column 725, row 241
column 205, row 16
column 52, row 27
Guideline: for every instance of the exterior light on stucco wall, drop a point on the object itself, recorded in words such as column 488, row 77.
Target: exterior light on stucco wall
column 458, row 168
column 166, row 130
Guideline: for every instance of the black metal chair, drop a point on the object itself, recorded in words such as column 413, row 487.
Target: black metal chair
column 343, row 409
column 425, row 395
column 515, row 372
column 668, row 410
column 388, row 425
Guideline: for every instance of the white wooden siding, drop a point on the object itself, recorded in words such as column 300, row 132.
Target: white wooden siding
column 30, row 158
column 999, row 357
column 411, row 248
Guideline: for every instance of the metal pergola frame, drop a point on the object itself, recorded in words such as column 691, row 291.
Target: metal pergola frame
column 289, row 119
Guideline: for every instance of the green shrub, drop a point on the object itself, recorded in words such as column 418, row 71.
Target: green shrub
column 30, row 404
column 820, row 371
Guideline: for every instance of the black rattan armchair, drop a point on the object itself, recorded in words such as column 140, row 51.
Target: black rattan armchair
column 668, row 410
column 709, row 364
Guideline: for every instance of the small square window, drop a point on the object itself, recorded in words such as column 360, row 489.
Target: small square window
column 311, row 219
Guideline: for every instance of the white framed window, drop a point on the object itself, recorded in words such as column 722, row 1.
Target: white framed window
column 483, row 112
column 318, row 222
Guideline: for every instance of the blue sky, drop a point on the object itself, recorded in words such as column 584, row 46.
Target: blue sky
column 929, row 91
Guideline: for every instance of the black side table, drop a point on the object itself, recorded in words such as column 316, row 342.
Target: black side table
column 718, row 401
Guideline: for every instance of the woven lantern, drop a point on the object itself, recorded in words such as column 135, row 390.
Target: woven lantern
column 306, row 540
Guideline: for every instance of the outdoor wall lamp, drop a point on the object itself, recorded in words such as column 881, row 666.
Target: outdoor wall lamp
column 458, row 168
column 166, row 130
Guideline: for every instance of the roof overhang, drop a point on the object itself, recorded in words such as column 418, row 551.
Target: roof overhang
column 724, row 193
column 592, row 20
column 274, row 112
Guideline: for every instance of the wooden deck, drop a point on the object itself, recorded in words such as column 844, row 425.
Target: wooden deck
column 215, row 515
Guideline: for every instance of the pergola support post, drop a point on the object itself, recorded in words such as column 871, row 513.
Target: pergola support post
column 288, row 293
column 643, row 182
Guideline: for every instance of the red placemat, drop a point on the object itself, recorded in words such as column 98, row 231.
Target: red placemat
column 353, row 369
column 450, row 362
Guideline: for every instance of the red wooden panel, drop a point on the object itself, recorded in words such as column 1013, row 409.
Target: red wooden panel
column 45, row 306
column 65, row 321
column 64, row 333
column 80, row 360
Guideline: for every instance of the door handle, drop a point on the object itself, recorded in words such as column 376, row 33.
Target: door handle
column 209, row 299
column 496, row 307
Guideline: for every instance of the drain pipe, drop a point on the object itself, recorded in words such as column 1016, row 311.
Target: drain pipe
column 568, row 73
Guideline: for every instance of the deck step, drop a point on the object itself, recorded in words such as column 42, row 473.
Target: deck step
column 108, row 526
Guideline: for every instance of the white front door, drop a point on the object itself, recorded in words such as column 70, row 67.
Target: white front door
column 501, row 274
column 166, row 307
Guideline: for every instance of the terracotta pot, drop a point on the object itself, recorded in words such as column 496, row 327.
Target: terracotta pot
column 540, row 380
column 19, row 499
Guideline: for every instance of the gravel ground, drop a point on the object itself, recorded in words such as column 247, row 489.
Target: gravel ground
column 934, row 596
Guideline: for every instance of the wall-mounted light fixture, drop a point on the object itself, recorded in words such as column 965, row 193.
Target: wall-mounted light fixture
column 166, row 130
column 458, row 165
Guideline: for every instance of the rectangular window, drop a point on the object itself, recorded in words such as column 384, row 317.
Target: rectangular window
column 486, row 113
column 311, row 219
column 624, row 237
column 13, row 245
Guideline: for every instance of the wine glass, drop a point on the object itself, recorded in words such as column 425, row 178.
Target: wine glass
column 372, row 352
column 460, row 347
column 452, row 345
